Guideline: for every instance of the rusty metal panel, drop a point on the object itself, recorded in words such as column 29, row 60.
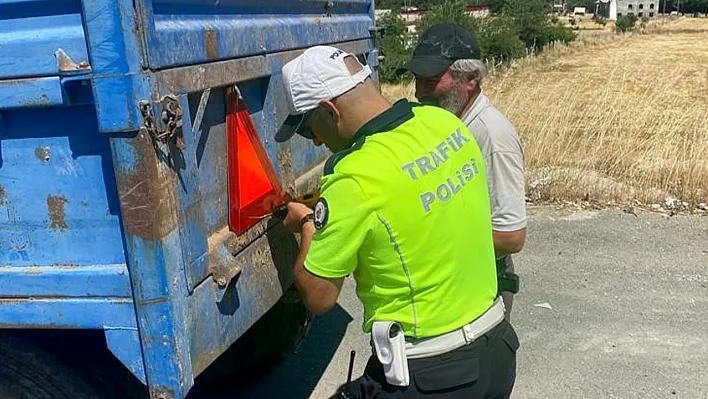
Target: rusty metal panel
column 196, row 31
column 31, row 33
column 30, row 92
column 58, row 203
column 89, row 313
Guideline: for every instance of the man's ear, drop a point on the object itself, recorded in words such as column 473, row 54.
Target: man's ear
column 473, row 81
column 328, row 106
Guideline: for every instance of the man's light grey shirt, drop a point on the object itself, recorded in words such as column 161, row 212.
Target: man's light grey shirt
column 504, row 162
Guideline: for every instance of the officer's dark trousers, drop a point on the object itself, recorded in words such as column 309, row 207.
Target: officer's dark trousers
column 484, row 369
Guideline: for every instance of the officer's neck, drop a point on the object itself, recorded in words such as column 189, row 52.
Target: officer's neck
column 355, row 116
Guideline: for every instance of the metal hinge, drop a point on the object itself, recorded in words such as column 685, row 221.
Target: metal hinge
column 170, row 116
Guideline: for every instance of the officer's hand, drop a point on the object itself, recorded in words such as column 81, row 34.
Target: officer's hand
column 296, row 214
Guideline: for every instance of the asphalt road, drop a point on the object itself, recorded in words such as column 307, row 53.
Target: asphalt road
column 627, row 314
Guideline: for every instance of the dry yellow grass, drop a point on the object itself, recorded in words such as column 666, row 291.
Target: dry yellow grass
column 622, row 121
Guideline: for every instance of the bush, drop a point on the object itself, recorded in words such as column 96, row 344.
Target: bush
column 558, row 33
column 625, row 23
column 602, row 21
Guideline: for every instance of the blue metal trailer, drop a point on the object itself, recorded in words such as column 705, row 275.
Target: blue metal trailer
column 115, row 205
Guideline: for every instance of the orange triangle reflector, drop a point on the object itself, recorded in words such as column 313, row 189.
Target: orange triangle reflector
column 254, row 187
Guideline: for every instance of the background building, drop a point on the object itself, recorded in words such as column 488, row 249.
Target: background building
column 638, row 8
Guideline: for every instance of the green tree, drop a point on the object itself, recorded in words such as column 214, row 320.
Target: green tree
column 449, row 12
column 499, row 38
column 531, row 17
column 393, row 46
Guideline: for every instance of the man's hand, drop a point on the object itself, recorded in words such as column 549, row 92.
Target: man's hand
column 319, row 294
column 296, row 213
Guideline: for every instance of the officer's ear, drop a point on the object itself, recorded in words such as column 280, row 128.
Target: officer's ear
column 330, row 108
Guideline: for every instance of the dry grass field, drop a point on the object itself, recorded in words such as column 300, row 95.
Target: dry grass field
column 613, row 121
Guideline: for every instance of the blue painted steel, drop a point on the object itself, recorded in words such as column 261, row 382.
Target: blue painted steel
column 194, row 230
column 77, row 208
column 156, row 263
column 59, row 203
column 124, row 343
column 89, row 313
column 70, row 281
column 188, row 32
column 30, row 92
column 116, row 54
column 31, row 31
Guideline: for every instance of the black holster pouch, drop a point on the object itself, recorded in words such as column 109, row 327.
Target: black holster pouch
column 506, row 281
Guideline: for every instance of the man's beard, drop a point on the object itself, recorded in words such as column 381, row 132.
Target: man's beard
column 449, row 100
column 453, row 102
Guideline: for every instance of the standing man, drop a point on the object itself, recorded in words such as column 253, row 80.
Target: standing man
column 404, row 209
column 448, row 72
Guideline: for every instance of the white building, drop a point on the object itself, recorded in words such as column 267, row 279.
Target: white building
column 606, row 9
column 638, row 8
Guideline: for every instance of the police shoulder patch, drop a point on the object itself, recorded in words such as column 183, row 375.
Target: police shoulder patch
column 321, row 213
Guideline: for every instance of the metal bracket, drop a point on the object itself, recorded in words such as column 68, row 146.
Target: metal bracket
column 197, row 123
column 171, row 117
column 67, row 65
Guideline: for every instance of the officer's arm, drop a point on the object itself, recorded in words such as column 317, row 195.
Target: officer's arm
column 319, row 294
column 508, row 242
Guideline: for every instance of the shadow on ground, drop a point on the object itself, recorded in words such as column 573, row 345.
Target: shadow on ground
column 298, row 376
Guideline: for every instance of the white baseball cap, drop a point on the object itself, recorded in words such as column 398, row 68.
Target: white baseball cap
column 316, row 75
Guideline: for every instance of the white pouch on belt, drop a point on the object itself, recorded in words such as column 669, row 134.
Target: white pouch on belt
column 390, row 346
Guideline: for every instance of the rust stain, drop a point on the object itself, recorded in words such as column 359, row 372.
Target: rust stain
column 148, row 193
column 153, row 301
column 285, row 164
column 42, row 154
column 162, row 392
column 212, row 51
column 2, row 195
column 57, row 214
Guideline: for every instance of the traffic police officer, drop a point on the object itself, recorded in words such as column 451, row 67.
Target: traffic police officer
column 448, row 70
column 404, row 209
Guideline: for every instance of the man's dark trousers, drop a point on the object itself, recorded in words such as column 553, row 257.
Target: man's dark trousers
column 484, row 369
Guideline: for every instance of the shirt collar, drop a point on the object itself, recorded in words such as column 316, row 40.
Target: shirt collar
column 477, row 107
column 390, row 119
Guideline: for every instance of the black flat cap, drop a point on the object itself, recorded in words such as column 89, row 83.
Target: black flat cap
column 439, row 47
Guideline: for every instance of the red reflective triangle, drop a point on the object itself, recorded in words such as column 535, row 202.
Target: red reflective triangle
column 254, row 187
